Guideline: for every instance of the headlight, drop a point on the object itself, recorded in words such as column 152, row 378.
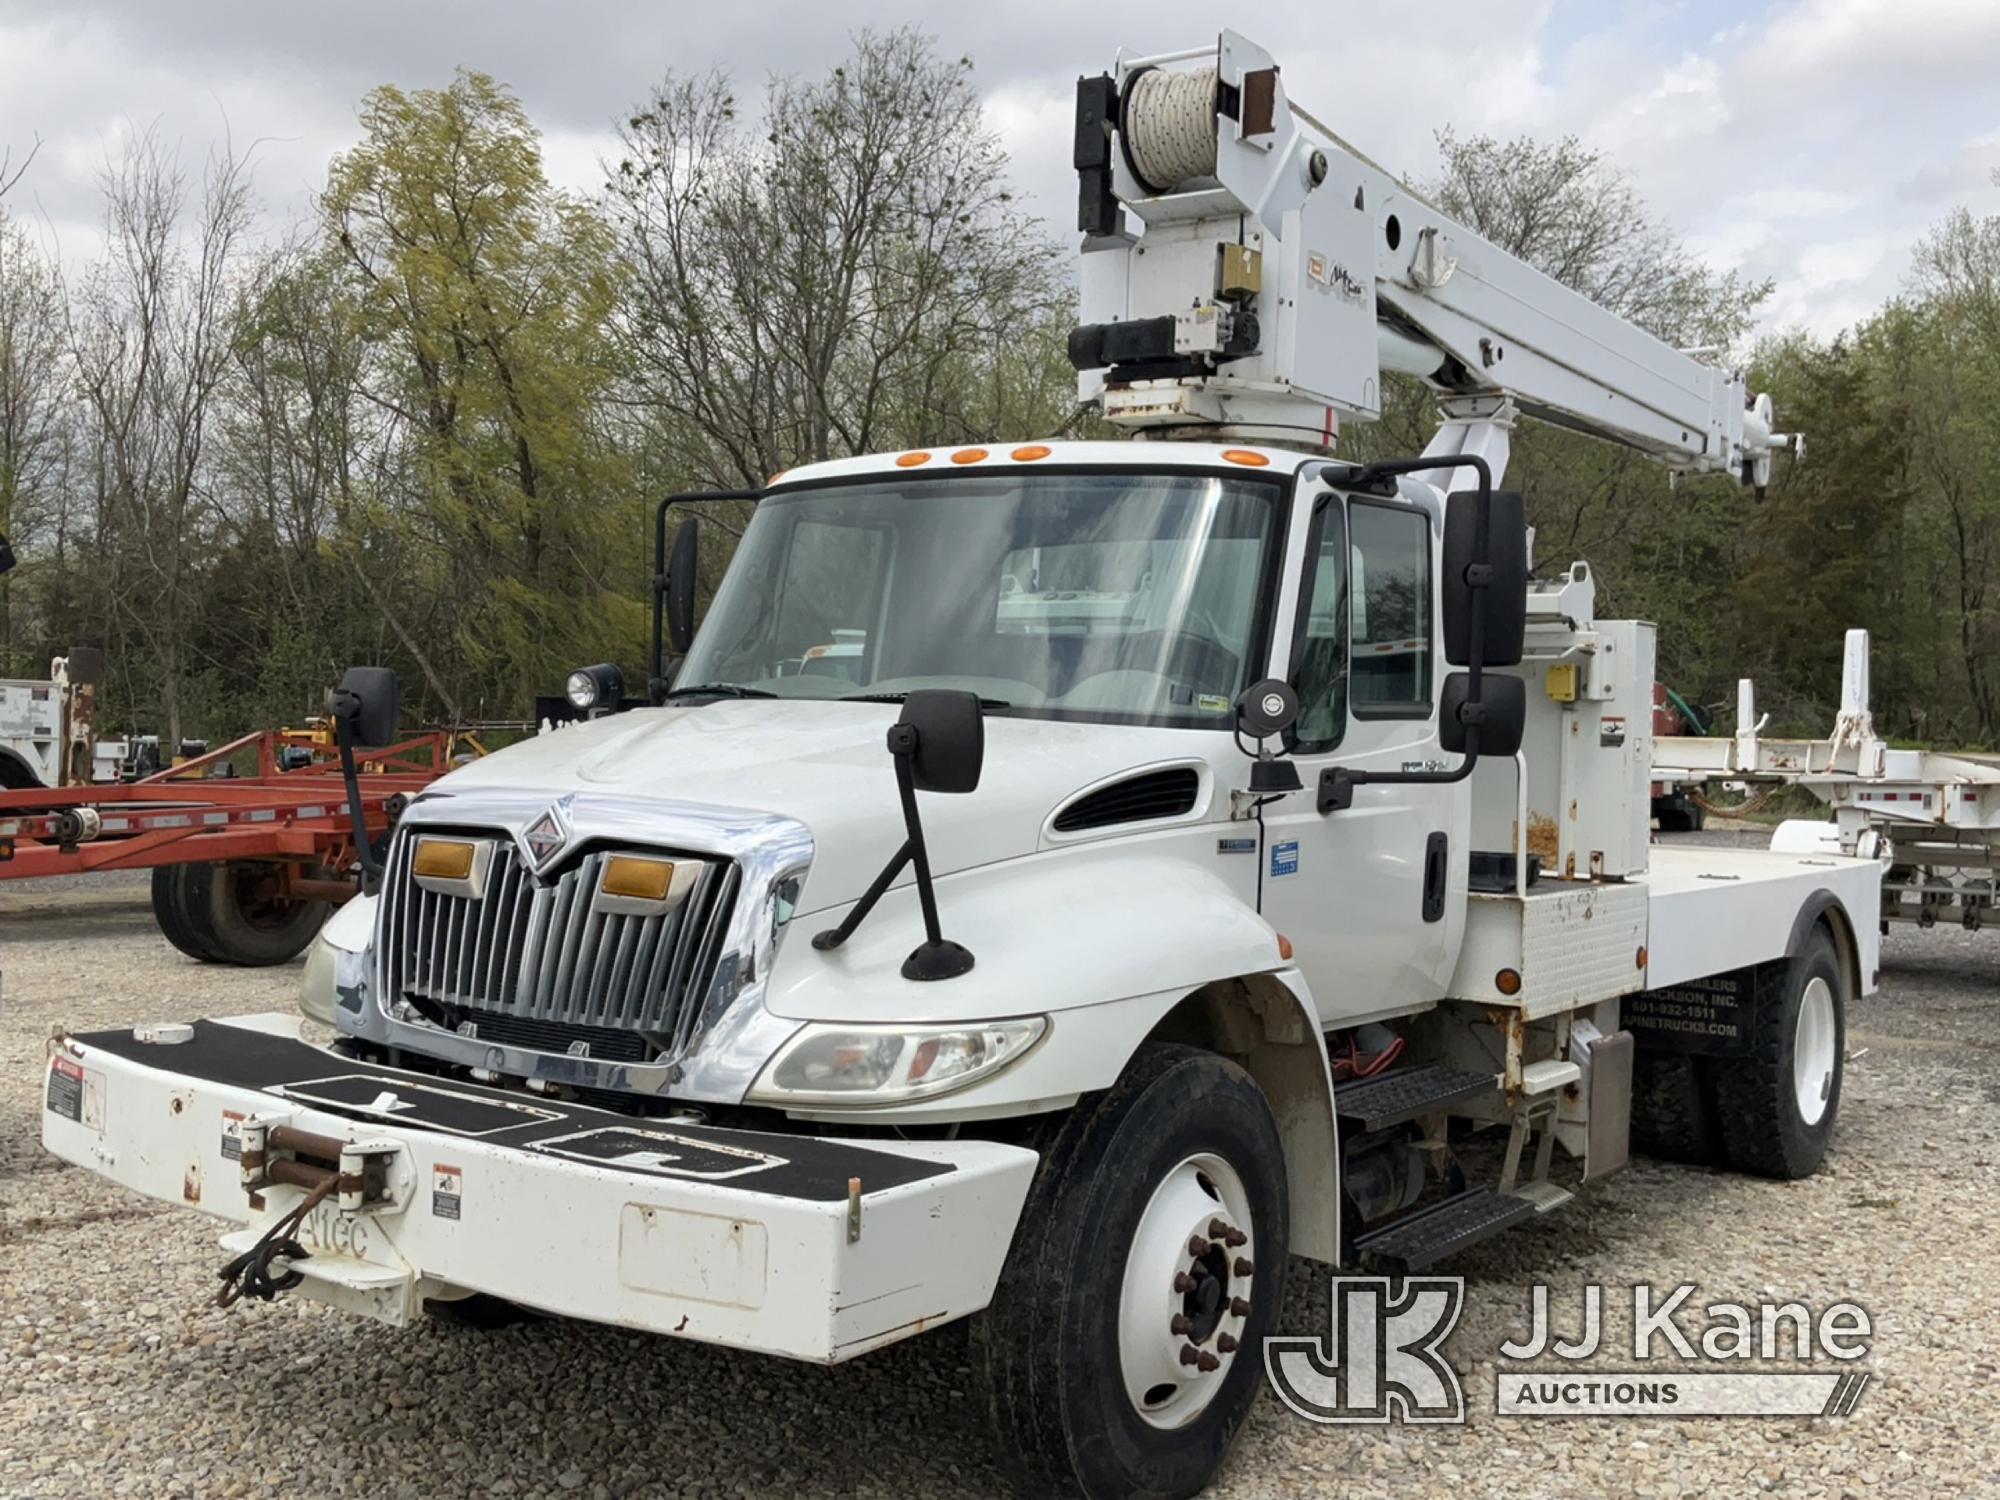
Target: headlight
column 595, row 687
column 827, row 1064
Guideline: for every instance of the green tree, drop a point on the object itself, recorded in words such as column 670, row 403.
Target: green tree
column 484, row 297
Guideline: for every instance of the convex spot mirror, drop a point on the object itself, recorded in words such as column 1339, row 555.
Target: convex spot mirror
column 1505, row 701
column 1267, row 708
column 367, row 703
column 943, row 732
column 1504, row 601
column 682, row 561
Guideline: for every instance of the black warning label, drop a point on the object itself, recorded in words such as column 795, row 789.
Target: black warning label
column 446, row 1195
column 232, row 1134
column 75, row 1092
column 66, row 1089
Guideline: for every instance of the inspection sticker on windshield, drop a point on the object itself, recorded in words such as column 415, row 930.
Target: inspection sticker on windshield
column 1285, row 858
column 76, row 1092
column 1212, row 703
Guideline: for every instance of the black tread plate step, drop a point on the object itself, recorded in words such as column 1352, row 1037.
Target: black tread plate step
column 1423, row 1238
column 1407, row 1093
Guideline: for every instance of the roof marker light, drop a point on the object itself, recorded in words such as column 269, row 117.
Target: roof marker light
column 968, row 455
column 1032, row 452
column 911, row 460
column 1246, row 457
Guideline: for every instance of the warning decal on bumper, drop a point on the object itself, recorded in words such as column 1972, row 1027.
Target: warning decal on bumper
column 76, row 1093
column 446, row 1196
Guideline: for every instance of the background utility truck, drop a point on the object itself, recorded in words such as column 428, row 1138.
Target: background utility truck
column 1257, row 862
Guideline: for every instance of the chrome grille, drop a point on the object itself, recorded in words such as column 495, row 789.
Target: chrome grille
column 534, row 950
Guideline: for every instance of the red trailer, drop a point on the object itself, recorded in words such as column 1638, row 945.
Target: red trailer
column 245, row 867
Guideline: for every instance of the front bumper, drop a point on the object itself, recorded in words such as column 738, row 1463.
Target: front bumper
column 796, row 1245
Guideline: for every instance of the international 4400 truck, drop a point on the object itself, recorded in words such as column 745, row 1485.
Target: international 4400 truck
column 1060, row 882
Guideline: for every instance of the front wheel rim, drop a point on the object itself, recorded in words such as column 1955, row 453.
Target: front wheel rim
column 1187, row 1291
column 1814, row 1051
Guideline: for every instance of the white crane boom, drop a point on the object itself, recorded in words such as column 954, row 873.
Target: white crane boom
column 1280, row 272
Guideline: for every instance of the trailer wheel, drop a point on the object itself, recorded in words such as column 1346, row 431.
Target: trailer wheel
column 1673, row 1110
column 174, row 910
column 1124, row 1345
column 1777, row 1105
column 253, row 922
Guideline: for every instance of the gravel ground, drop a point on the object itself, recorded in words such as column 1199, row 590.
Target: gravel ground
column 118, row 1377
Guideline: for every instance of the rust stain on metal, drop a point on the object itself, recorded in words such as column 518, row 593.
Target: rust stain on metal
column 191, row 1184
column 681, row 1327
column 1572, row 810
column 1544, row 839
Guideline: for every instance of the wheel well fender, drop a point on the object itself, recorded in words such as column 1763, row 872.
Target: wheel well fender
column 1267, row 1023
column 1824, row 909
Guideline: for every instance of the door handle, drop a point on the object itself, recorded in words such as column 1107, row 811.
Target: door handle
column 1437, row 865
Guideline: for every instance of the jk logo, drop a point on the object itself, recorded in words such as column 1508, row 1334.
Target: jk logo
column 1380, row 1361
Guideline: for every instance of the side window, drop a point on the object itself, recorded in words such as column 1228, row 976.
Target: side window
column 1320, row 641
column 1390, row 598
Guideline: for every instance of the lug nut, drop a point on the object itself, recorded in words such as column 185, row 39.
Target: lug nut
column 1240, row 1306
column 1181, row 1324
column 1197, row 1246
column 1190, row 1355
column 1218, row 1230
column 1206, row 1362
column 1183, row 1283
column 1244, row 1267
column 1226, row 1343
column 1235, row 1239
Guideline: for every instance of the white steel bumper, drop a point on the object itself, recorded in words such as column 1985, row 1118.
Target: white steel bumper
column 794, row 1245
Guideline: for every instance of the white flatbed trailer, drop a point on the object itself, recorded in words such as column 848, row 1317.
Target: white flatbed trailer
column 1929, row 818
column 1335, row 840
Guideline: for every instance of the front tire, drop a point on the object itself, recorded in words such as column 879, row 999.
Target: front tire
column 1124, row 1345
column 1776, row 1106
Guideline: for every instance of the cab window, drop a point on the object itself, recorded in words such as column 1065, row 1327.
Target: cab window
column 1389, row 594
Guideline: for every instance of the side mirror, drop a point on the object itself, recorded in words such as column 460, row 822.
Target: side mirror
column 1267, row 708
column 1505, row 704
column 945, row 733
column 681, row 575
column 1504, row 601
column 366, row 702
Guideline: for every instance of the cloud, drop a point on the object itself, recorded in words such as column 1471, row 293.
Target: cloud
column 1808, row 140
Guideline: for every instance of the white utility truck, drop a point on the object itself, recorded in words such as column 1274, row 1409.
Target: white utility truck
column 1257, row 862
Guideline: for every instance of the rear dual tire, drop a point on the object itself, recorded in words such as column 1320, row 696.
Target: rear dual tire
column 1081, row 1348
column 1770, row 1112
column 233, row 913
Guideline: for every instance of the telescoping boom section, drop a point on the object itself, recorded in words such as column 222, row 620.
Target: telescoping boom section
column 1244, row 267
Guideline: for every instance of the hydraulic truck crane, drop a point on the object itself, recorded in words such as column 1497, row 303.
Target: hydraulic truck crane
column 1060, row 879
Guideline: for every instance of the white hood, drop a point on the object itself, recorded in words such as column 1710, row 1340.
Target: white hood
column 827, row 766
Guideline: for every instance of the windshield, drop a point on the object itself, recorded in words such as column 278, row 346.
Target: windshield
column 1081, row 595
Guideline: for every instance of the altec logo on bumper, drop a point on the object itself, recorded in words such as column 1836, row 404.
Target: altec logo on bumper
column 1382, row 1359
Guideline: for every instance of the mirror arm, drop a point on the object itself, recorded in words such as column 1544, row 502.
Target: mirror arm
column 936, row 957
column 357, row 817
column 1337, row 783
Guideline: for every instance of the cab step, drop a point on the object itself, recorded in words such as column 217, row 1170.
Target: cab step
column 1370, row 1104
column 1430, row 1235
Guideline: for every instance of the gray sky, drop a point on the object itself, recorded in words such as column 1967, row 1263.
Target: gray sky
column 1808, row 140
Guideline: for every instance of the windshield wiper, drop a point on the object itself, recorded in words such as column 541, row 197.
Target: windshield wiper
column 903, row 697
column 721, row 690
